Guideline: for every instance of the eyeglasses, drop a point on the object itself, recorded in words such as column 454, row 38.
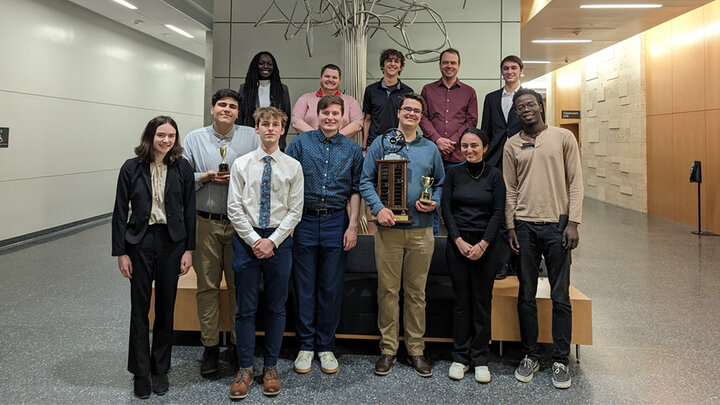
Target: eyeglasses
column 412, row 110
column 522, row 108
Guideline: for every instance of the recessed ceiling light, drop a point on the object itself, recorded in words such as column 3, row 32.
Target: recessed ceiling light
column 536, row 61
column 179, row 31
column 126, row 4
column 561, row 41
column 621, row 6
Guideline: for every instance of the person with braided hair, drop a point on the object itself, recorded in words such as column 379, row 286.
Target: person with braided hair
column 263, row 88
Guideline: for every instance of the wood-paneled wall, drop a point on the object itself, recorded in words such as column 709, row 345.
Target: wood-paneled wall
column 683, row 115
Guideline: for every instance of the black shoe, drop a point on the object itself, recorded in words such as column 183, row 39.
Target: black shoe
column 209, row 362
column 160, row 384
column 143, row 386
column 233, row 358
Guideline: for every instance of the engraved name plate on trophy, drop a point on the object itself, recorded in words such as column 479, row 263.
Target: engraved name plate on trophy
column 392, row 178
column 224, row 166
column 425, row 195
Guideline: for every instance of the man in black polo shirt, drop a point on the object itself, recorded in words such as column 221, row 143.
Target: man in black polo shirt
column 382, row 99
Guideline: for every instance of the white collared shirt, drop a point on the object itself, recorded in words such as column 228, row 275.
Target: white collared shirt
column 286, row 195
column 264, row 93
column 506, row 100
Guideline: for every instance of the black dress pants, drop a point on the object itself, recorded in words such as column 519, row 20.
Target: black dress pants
column 473, row 282
column 156, row 258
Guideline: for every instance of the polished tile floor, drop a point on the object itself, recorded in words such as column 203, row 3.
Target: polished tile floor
column 64, row 312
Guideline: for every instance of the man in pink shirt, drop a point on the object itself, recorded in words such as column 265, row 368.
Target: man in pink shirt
column 304, row 113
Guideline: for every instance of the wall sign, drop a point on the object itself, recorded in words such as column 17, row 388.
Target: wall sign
column 570, row 114
column 4, row 137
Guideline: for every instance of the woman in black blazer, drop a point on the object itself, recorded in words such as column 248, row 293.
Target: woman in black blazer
column 473, row 204
column 155, row 243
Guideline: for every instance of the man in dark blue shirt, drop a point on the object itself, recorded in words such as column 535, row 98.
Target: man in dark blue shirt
column 331, row 164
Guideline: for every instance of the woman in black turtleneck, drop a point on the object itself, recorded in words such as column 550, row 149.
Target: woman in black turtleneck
column 473, row 204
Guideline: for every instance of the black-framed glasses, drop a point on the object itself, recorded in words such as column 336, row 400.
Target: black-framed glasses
column 522, row 107
column 412, row 110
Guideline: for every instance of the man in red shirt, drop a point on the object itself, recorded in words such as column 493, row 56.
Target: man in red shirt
column 451, row 107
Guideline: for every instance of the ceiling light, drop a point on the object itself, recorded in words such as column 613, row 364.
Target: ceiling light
column 544, row 62
column 126, row 4
column 179, row 31
column 561, row 41
column 621, row 6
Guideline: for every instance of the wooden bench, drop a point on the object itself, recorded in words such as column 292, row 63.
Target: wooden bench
column 505, row 323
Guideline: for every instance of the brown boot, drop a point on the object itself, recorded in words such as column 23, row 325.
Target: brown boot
column 422, row 368
column 271, row 381
column 240, row 387
column 384, row 364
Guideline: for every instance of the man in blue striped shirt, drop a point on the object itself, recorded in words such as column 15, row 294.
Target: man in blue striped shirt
column 331, row 164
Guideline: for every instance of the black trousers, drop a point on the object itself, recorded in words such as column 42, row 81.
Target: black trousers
column 156, row 258
column 472, row 296
column 546, row 240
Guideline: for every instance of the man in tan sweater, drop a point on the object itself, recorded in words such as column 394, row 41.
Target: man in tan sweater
column 541, row 167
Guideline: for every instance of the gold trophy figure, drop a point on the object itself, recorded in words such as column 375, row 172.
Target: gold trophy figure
column 425, row 196
column 224, row 167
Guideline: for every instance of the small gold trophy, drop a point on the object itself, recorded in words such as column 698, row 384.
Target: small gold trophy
column 425, row 196
column 224, row 167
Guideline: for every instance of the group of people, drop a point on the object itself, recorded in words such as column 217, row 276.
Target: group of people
column 262, row 213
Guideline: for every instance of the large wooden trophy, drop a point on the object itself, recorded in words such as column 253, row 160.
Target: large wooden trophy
column 392, row 177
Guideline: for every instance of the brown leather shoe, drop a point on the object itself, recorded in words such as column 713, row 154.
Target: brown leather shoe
column 384, row 364
column 240, row 387
column 271, row 381
column 422, row 368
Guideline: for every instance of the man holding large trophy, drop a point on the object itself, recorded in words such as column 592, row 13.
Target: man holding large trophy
column 212, row 150
column 400, row 167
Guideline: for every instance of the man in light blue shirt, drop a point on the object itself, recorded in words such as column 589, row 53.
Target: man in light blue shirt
column 213, row 256
column 403, row 251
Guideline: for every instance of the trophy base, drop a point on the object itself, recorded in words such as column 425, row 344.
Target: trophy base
column 224, row 167
column 399, row 219
column 425, row 201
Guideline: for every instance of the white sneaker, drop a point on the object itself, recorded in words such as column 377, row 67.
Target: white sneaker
column 457, row 371
column 303, row 362
column 328, row 362
column 482, row 374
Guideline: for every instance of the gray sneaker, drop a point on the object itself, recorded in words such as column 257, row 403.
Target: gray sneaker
column 561, row 376
column 527, row 369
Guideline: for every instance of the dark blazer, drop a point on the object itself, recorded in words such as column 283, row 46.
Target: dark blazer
column 285, row 107
column 496, row 128
column 134, row 189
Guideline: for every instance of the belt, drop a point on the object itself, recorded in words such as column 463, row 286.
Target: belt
column 321, row 212
column 211, row 216
column 538, row 222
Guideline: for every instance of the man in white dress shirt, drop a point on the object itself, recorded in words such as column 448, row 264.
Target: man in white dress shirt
column 265, row 202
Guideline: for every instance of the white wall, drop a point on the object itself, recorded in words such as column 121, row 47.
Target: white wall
column 484, row 32
column 76, row 90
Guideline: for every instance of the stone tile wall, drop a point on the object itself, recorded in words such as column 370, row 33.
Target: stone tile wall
column 613, row 126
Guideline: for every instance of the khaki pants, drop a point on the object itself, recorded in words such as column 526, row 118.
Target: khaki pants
column 213, row 257
column 402, row 255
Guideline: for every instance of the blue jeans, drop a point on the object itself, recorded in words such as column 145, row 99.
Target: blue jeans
column 535, row 240
column 275, row 273
column 318, row 274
